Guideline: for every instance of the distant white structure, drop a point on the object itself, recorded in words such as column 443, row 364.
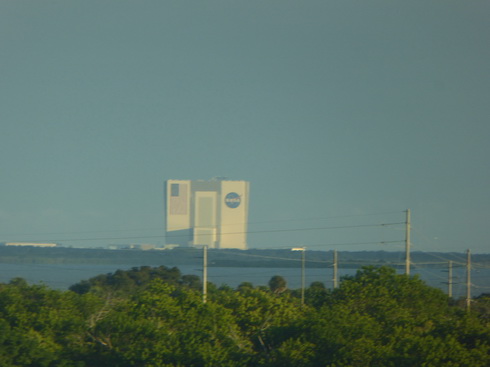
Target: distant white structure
column 207, row 213
column 133, row 246
column 33, row 244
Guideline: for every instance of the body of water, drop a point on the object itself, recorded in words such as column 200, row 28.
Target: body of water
column 63, row 276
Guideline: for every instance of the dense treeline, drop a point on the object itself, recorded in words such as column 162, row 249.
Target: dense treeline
column 156, row 317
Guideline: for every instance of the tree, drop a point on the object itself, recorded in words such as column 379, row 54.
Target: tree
column 277, row 284
column 375, row 318
column 135, row 279
column 245, row 286
column 39, row 326
column 379, row 318
column 316, row 294
column 169, row 326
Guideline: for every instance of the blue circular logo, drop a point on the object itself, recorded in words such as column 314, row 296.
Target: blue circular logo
column 233, row 200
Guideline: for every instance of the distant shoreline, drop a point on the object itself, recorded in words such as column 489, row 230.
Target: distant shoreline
column 266, row 258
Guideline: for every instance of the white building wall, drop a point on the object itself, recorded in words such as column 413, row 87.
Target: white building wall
column 178, row 211
column 211, row 213
column 205, row 210
column 234, row 214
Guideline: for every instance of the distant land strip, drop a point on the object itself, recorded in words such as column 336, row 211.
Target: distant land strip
column 271, row 258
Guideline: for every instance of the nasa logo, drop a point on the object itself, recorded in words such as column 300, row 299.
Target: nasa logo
column 233, row 200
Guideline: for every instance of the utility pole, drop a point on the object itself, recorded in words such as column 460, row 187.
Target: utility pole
column 302, row 249
column 468, row 280
column 450, row 280
column 204, row 273
column 407, row 243
column 335, row 268
column 303, row 277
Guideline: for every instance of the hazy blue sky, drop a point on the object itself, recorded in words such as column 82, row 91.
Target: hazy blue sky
column 335, row 111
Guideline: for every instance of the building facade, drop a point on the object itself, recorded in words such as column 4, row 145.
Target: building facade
column 206, row 213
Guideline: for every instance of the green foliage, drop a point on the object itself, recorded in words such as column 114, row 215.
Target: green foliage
column 481, row 306
column 379, row 318
column 383, row 294
column 156, row 317
column 277, row 284
column 135, row 279
column 39, row 326
column 316, row 294
column 166, row 326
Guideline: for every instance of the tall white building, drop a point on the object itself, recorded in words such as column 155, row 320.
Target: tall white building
column 212, row 213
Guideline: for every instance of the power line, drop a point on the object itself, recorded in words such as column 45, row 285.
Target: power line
column 160, row 229
column 319, row 228
column 357, row 243
column 260, row 256
column 79, row 232
column 229, row 233
column 325, row 218
column 445, row 259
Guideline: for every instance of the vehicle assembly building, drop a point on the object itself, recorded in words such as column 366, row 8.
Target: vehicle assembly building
column 206, row 213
